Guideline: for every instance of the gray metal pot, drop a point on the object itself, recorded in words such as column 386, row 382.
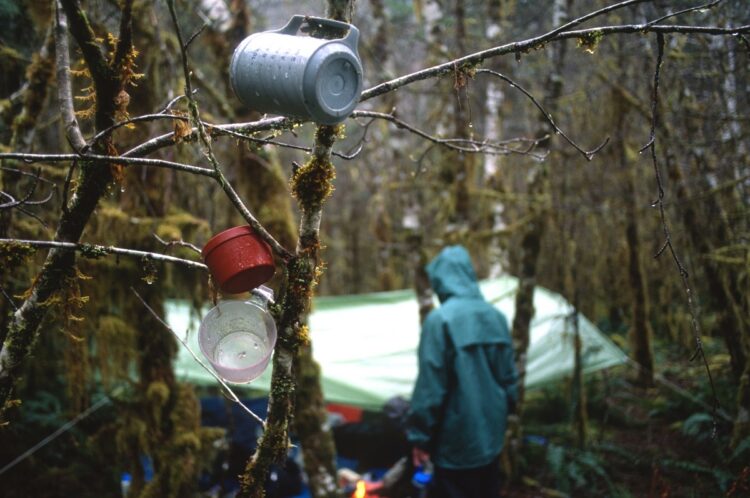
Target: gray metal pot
column 279, row 72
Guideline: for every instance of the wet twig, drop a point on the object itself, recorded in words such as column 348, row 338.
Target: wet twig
column 205, row 140
column 97, row 251
column 180, row 243
column 589, row 155
column 668, row 245
column 459, row 144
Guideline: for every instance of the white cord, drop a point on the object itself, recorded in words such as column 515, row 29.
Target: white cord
column 66, row 427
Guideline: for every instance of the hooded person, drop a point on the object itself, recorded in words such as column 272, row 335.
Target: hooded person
column 466, row 384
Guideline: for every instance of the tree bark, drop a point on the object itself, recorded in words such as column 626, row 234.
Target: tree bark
column 537, row 187
column 23, row 128
column 311, row 185
column 93, row 181
column 640, row 327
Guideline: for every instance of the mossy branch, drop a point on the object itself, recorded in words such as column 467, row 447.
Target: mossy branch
column 564, row 32
column 311, row 185
column 24, row 325
column 96, row 251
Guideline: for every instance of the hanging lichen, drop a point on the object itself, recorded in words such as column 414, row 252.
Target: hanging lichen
column 76, row 352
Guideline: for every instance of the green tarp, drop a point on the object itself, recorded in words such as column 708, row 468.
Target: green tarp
column 366, row 344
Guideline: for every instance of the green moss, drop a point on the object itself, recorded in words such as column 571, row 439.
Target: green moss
column 271, row 450
column 157, row 393
column 115, row 348
column 283, row 386
column 590, row 41
column 188, row 441
column 12, row 254
column 93, row 251
column 312, row 184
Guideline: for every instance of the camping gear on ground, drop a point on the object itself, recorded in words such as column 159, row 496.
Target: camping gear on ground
column 125, row 481
column 379, row 362
column 421, row 479
column 237, row 336
column 280, row 72
column 238, row 259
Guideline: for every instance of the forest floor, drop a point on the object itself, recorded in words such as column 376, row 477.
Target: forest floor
column 656, row 442
column 659, row 442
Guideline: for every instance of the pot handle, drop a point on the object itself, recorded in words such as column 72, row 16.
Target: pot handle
column 294, row 24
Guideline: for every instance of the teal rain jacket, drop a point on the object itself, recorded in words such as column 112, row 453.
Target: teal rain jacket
column 467, row 377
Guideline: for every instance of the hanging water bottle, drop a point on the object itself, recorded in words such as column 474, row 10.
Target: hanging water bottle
column 282, row 73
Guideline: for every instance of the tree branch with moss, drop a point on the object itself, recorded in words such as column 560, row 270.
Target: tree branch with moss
column 93, row 181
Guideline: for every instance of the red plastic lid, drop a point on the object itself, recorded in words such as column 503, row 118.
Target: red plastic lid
column 221, row 237
column 238, row 260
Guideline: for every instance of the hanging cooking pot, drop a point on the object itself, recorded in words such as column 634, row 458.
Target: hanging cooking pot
column 281, row 72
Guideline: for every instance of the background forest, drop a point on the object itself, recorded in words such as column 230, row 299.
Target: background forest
column 559, row 161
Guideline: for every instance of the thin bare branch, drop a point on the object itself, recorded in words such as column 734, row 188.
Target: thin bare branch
column 269, row 141
column 706, row 6
column 659, row 202
column 472, row 60
column 96, row 251
column 205, row 140
column 26, row 201
column 138, row 161
column 466, row 145
column 180, row 243
column 10, row 299
column 589, row 155
column 198, row 32
column 168, row 139
column 30, row 175
column 137, row 119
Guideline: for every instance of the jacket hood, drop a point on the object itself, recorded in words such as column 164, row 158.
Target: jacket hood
column 452, row 274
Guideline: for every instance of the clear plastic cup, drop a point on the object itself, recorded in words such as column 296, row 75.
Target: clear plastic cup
column 238, row 336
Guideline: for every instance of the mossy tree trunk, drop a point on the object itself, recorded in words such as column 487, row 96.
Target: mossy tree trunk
column 640, row 326
column 109, row 80
column 311, row 185
column 23, row 126
column 537, row 186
